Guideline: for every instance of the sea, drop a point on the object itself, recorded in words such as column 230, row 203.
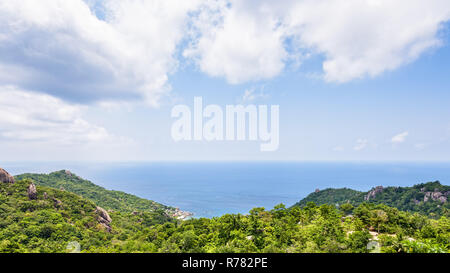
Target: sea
column 210, row 189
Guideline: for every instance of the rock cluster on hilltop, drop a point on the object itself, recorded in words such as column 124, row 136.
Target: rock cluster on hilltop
column 435, row 196
column 5, row 177
column 371, row 194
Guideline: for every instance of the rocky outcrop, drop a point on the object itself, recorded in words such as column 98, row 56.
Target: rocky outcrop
column 373, row 193
column 57, row 203
column 5, row 177
column 32, row 192
column 103, row 218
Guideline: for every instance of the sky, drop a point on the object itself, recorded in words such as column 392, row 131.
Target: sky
column 97, row 80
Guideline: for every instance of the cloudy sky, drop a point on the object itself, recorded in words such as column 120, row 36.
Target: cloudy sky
column 96, row 80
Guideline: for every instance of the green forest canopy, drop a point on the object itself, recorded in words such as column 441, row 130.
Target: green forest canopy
column 422, row 198
column 112, row 200
column 57, row 217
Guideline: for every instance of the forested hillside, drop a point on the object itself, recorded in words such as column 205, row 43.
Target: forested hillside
column 42, row 219
column 113, row 200
column 429, row 199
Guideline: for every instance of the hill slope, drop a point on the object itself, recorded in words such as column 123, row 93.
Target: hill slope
column 47, row 220
column 429, row 198
column 111, row 200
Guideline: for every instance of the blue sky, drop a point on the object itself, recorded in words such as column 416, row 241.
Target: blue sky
column 85, row 80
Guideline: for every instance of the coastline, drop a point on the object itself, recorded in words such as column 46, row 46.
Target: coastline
column 181, row 215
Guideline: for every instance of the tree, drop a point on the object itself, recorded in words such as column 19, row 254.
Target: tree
column 347, row 208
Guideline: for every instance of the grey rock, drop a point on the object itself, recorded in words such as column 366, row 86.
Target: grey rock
column 32, row 192
column 373, row 193
column 103, row 218
column 435, row 196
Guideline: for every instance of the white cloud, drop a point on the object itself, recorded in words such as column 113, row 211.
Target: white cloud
column 33, row 117
column 111, row 50
column 400, row 138
column 247, row 39
column 242, row 43
column 361, row 144
column 62, row 48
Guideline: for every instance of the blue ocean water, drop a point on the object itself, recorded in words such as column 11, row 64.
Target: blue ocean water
column 216, row 188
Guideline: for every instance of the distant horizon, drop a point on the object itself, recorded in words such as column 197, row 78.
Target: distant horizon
column 215, row 188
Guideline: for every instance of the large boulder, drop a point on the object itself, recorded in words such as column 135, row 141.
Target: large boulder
column 103, row 218
column 5, row 177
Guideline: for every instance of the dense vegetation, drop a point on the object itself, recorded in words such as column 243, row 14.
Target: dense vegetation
column 111, row 200
column 58, row 217
column 419, row 198
column 333, row 197
column 312, row 229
